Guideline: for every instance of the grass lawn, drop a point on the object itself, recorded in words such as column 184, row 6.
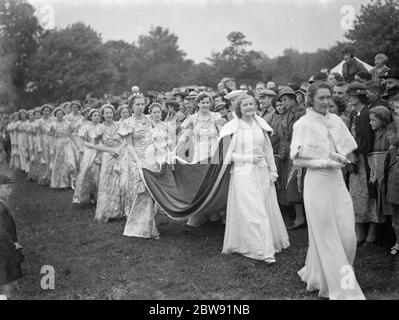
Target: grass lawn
column 94, row 261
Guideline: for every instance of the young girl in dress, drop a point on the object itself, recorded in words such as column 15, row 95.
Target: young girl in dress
column 23, row 140
column 64, row 162
column 137, row 132
column 160, row 134
column 109, row 188
column 46, row 143
column 89, row 170
column 202, row 130
column 12, row 129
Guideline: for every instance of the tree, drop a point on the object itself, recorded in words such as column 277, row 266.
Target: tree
column 19, row 36
column 200, row 74
column 158, row 61
column 376, row 29
column 69, row 64
column 237, row 60
column 121, row 56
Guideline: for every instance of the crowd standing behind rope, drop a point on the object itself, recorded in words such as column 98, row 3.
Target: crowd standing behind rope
column 96, row 148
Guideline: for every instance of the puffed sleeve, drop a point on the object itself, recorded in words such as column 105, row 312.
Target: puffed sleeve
column 82, row 132
column 126, row 127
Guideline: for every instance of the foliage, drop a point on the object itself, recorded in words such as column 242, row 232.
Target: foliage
column 376, row 29
column 69, row 64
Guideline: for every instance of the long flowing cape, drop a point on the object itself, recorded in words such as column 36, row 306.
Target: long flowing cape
column 183, row 189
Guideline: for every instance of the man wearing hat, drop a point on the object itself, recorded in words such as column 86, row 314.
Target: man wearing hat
column 373, row 94
column 173, row 111
column 391, row 78
column 222, row 108
column 10, row 250
column 289, row 193
column 320, row 76
column 179, row 95
column 351, row 66
column 266, row 109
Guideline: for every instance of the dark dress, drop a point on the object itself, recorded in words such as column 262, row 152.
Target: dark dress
column 10, row 258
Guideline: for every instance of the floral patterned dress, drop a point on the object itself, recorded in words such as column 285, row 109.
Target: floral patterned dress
column 160, row 139
column 141, row 218
column 76, row 122
column 109, row 204
column 23, row 145
column 43, row 132
column 89, row 170
column 204, row 134
column 63, row 156
column 31, row 150
column 12, row 131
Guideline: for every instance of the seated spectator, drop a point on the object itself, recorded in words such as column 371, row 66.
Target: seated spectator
column 351, row 66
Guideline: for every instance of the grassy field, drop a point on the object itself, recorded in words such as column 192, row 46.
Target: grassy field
column 94, row 261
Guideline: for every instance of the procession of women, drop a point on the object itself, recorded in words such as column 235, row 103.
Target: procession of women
column 325, row 151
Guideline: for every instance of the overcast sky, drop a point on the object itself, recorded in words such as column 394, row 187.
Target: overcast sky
column 202, row 25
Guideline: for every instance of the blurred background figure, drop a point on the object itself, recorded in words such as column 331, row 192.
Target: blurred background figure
column 135, row 90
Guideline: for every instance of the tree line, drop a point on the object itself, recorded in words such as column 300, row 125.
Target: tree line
column 38, row 66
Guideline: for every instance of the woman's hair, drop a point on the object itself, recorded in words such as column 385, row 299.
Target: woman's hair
column 123, row 106
column 37, row 110
column 201, row 97
column 21, row 112
column 239, row 101
column 93, row 111
column 313, row 90
column 155, row 105
column 107, row 106
column 132, row 99
column 340, row 103
column 58, row 109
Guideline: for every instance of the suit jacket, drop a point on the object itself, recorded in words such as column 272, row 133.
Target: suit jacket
column 392, row 175
column 10, row 258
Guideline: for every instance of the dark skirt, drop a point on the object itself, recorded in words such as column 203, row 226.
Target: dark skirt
column 289, row 191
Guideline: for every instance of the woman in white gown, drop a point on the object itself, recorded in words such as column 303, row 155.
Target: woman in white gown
column 320, row 142
column 254, row 225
